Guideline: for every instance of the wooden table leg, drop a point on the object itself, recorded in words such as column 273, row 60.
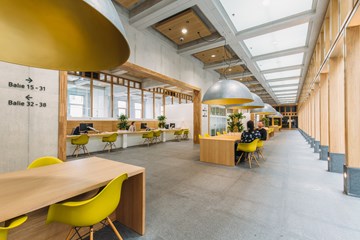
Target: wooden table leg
column 131, row 210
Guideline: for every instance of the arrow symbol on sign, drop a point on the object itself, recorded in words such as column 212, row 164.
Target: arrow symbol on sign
column 28, row 97
column 29, row 80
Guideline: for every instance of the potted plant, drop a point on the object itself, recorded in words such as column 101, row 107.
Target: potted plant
column 123, row 122
column 265, row 121
column 234, row 122
column 162, row 121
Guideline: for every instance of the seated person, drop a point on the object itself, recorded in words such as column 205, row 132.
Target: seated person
column 262, row 130
column 132, row 127
column 247, row 137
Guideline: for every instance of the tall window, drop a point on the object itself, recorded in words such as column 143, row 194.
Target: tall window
column 168, row 100
column 148, row 105
column 159, row 109
column 101, row 99
column 120, row 100
column 135, row 103
column 78, row 97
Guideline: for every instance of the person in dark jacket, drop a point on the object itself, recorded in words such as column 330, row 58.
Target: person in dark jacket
column 251, row 134
column 262, row 130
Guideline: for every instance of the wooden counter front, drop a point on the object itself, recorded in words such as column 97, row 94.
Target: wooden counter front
column 31, row 191
column 218, row 149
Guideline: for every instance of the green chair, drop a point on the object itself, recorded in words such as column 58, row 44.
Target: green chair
column 186, row 134
column 110, row 141
column 10, row 224
column 80, row 143
column 149, row 136
column 157, row 136
column 178, row 134
column 89, row 212
column 250, row 149
column 44, row 161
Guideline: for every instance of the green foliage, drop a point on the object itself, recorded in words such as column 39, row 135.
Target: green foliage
column 123, row 122
column 162, row 121
column 234, row 122
column 266, row 121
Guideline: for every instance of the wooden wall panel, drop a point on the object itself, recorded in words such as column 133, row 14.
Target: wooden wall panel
column 334, row 19
column 324, row 108
column 336, row 106
column 352, row 99
column 317, row 113
column 197, row 115
column 62, row 115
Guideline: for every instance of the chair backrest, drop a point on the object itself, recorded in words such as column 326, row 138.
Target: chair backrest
column 206, row 135
column 44, row 161
column 10, row 224
column 178, row 132
column 81, row 140
column 200, row 137
column 260, row 144
column 111, row 138
column 148, row 134
column 186, row 131
column 224, row 132
column 157, row 133
column 218, row 133
column 248, row 147
column 93, row 210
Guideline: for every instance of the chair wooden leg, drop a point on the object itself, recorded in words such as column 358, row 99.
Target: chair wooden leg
column 262, row 156
column 239, row 158
column 114, row 228
column 253, row 155
column 91, row 233
column 69, row 236
column 249, row 158
column 77, row 146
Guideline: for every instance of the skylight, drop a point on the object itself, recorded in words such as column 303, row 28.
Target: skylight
column 283, row 74
column 285, row 61
column 279, row 40
column 285, row 88
column 284, row 82
column 248, row 14
column 287, row 92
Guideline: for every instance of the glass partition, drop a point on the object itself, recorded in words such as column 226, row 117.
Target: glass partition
column 120, row 100
column 78, row 97
column 101, row 99
column 148, row 105
column 135, row 103
column 159, row 108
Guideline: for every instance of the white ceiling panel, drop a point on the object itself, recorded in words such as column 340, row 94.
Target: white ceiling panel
column 287, row 38
column 280, row 62
column 284, row 88
column 284, row 82
column 283, row 74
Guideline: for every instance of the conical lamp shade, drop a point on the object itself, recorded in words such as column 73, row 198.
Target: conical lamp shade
column 226, row 92
column 276, row 115
column 257, row 103
column 266, row 110
column 82, row 35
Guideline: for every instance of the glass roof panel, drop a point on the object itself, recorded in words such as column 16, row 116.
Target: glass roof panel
column 284, row 88
column 285, row 61
column 283, row 74
column 246, row 14
column 279, row 40
column 284, row 82
column 287, row 92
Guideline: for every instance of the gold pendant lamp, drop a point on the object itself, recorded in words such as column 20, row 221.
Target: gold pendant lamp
column 227, row 92
column 83, row 35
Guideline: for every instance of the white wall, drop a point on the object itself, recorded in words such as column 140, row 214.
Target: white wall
column 182, row 115
column 27, row 132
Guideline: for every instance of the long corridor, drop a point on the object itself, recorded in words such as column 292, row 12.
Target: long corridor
column 291, row 196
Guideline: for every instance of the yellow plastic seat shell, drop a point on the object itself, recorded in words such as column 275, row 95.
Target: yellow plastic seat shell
column 89, row 212
column 44, row 161
column 206, row 135
column 200, row 137
column 249, row 148
column 178, row 134
column 149, row 136
column 110, row 141
column 80, row 142
column 157, row 135
column 10, row 224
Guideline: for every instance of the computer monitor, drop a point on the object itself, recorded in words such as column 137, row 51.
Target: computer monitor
column 83, row 127
column 172, row 125
column 166, row 126
column 143, row 125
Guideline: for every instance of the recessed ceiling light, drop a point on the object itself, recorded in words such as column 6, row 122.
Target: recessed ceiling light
column 213, row 55
column 184, row 31
column 229, row 69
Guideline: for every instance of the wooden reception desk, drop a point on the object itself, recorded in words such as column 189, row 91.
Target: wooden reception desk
column 219, row 149
column 31, row 191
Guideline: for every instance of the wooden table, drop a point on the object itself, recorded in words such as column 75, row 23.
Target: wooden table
column 218, row 149
column 32, row 191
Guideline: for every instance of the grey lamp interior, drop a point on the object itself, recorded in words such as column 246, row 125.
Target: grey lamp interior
column 227, row 92
column 266, row 110
column 257, row 103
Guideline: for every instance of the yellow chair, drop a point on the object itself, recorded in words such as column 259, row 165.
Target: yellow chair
column 10, row 224
column 149, row 136
column 89, row 212
column 157, row 136
column 250, row 149
column 206, row 135
column 44, row 161
column 186, row 134
column 110, row 141
column 178, row 134
column 224, row 132
column 80, row 143
column 218, row 133
column 259, row 149
column 200, row 137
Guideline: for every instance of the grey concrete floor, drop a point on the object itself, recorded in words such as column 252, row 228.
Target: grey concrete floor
column 291, row 196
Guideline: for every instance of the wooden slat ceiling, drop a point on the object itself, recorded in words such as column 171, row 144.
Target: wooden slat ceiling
column 171, row 27
column 231, row 70
column 214, row 55
column 128, row 4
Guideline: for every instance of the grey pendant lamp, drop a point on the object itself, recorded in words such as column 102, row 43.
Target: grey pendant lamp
column 82, row 35
column 266, row 110
column 227, row 92
column 257, row 103
column 276, row 115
